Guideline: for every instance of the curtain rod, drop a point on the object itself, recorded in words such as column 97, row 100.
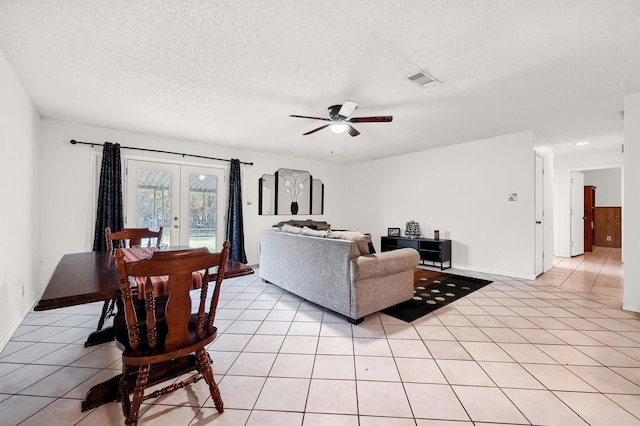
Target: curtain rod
column 74, row 142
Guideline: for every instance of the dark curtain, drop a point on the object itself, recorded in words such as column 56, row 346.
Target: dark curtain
column 109, row 212
column 235, row 227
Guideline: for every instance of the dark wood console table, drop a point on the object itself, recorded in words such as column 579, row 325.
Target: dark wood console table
column 434, row 251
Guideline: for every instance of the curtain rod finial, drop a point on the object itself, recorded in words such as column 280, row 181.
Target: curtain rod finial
column 73, row 141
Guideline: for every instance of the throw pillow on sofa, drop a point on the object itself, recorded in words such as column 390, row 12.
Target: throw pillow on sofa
column 372, row 249
column 357, row 237
column 291, row 229
column 313, row 224
column 313, row 232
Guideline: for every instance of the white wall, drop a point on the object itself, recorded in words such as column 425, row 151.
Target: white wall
column 563, row 166
column 461, row 190
column 631, row 209
column 67, row 185
column 608, row 183
column 19, row 123
column 439, row 188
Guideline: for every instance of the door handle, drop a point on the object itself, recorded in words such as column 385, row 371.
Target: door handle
column 538, row 222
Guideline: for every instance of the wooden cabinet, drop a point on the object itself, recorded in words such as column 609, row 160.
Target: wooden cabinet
column 589, row 217
column 608, row 227
column 434, row 251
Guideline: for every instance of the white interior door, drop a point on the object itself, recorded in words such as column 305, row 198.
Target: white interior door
column 187, row 201
column 539, row 215
column 577, row 213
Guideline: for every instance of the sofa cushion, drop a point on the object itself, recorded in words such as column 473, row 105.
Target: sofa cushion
column 386, row 263
column 357, row 237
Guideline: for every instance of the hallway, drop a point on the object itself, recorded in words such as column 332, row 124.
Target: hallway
column 598, row 272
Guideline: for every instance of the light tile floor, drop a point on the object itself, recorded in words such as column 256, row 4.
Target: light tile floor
column 558, row 350
column 596, row 272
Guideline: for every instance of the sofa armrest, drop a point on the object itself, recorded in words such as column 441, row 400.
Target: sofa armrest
column 385, row 263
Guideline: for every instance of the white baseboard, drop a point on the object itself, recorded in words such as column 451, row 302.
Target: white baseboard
column 14, row 327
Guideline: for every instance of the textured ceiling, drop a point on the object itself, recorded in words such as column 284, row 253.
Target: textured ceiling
column 230, row 72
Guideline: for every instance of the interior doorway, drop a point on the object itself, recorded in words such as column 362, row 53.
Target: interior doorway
column 604, row 187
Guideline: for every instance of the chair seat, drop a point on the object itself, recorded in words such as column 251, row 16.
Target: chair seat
column 159, row 354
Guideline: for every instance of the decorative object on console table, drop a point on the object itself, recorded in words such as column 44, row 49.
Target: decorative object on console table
column 436, row 234
column 430, row 250
column 413, row 229
column 393, row 232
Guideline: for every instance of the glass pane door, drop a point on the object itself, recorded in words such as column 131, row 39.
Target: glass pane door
column 186, row 201
column 203, row 191
column 152, row 198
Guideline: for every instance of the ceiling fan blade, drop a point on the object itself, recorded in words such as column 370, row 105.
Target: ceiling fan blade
column 347, row 108
column 380, row 119
column 306, row 116
column 353, row 131
column 315, row 130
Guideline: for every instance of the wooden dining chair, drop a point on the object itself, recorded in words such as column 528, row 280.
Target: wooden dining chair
column 130, row 237
column 153, row 338
column 127, row 237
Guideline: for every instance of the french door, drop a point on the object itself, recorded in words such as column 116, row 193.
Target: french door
column 187, row 201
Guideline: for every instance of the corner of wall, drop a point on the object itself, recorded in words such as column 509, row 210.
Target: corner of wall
column 18, row 237
column 631, row 200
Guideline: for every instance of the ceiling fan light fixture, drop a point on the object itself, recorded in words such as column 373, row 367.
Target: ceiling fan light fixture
column 340, row 119
column 339, row 128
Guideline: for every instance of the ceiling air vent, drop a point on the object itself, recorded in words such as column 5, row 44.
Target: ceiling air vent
column 423, row 79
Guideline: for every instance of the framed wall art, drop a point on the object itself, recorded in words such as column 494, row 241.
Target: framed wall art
column 290, row 192
column 393, row 232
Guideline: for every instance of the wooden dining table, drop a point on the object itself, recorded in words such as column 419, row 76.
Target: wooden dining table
column 81, row 278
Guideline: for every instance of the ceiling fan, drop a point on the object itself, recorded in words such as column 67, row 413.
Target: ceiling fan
column 340, row 120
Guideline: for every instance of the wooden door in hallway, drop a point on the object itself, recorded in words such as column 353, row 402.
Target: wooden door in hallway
column 589, row 216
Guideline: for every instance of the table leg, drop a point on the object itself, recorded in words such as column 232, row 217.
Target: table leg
column 108, row 391
column 108, row 334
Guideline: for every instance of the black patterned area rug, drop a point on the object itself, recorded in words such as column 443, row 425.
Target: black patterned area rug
column 433, row 290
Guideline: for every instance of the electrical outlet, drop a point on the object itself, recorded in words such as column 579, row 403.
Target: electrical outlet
column 608, row 237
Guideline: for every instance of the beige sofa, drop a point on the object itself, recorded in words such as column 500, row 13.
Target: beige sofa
column 324, row 268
